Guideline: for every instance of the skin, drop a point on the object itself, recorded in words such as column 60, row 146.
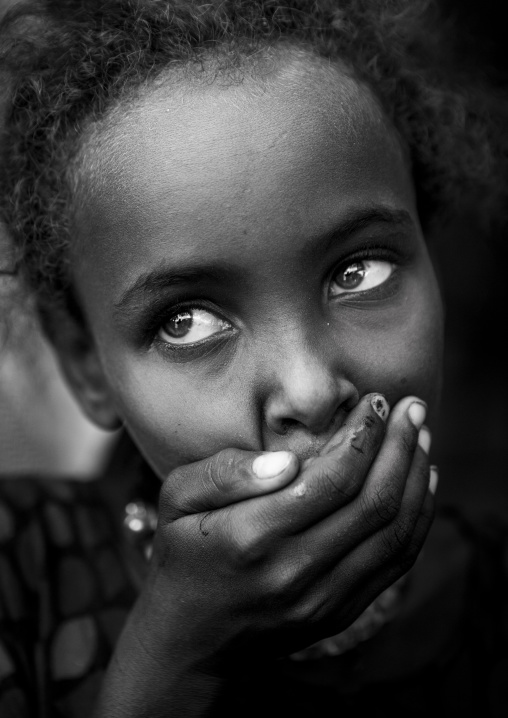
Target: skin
column 251, row 181
column 266, row 192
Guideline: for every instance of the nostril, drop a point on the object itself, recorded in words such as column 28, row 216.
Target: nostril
column 285, row 426
column 308, row 397
column 351, row 401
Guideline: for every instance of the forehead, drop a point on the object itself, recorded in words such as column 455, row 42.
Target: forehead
column 192, row 162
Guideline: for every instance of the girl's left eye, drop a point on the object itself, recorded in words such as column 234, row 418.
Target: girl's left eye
column 360, row 276
column 190, row 326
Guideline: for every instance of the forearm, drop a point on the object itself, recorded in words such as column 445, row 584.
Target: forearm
column 147, row 679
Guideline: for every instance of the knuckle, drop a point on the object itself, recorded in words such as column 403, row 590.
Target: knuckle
column 402, row 533
column 408, row 441
column 381, row 505
column 398, row 536
column 246, row 546
column 219, row 470
column 281, row 584
column 213, row 478
column 168, row 504
column 384, row 503
column 336, row 482
column 309, row 610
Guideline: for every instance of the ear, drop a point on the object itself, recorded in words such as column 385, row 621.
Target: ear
column 81, row 366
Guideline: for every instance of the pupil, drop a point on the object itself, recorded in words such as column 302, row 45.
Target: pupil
column 179, row 325
column 352, row 276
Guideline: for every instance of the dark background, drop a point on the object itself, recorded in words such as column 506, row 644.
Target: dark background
column 472, row 440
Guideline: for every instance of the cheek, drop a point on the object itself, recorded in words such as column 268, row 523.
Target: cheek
column 410, row 362
column 175, row 419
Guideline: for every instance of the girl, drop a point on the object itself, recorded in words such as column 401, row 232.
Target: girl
column 220, row 211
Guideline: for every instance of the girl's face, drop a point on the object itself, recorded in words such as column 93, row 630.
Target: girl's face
column 250, row 262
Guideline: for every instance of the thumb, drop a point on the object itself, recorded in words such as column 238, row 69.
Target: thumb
column 225, row 478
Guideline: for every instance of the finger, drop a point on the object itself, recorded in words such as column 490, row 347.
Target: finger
column 378, row 565
column 338, row 595
column 403, row 534
column 392, row 557
column 330, row 481
column 226, row 478
column 391, row 499
column 398, row 467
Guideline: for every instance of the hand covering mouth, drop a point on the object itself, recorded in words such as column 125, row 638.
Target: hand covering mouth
column 304, row 444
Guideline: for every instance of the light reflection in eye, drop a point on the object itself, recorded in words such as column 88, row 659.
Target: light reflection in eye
column 359, row 276
column 190, row 326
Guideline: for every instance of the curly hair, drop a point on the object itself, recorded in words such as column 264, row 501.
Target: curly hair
column 69, row 62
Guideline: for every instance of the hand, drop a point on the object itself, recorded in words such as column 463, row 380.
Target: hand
column 243, row 564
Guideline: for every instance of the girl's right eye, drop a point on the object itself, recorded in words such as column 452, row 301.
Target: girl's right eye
column 191, row 326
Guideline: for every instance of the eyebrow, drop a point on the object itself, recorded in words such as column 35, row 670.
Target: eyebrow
column 358, row 220
column 151, row 284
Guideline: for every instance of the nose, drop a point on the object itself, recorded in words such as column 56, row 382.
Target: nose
column 307, row 390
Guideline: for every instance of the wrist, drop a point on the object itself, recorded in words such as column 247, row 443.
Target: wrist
column 159, row 668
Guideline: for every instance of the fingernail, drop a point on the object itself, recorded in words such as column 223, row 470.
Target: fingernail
column 425, row 439
column 270, row 465
column 417, row 412
column 380, row 406
column 434, row 478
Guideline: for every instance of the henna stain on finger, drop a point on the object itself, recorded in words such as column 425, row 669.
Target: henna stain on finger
column 358, row 440
column 369, row 421
column 361, row 436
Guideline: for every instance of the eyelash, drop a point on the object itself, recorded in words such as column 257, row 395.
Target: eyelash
column 185, row 351
column 379, row 253
column 176, row 350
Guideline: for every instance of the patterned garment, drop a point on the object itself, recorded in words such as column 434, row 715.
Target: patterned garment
column 67, row 582
column 69, row 575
